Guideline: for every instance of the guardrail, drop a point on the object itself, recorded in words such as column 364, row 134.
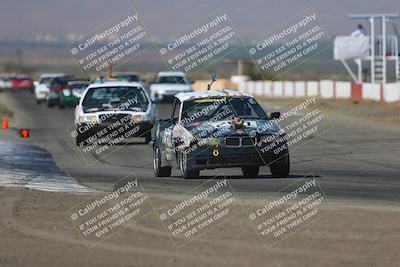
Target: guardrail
column 326, row 89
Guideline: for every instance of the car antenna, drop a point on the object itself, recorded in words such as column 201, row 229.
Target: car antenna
column 213, row 79
column 110, row 68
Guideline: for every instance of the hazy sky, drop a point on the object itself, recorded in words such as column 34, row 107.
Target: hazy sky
column 25, row 19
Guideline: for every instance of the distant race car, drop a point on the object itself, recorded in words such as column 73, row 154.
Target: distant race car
column 22, row 82
column 43, row 85
column 169, row 83
column 126, row 76
column 6, row 82
column 219, row 129
column 72, row 93
column 56, row 86
column 109, row 106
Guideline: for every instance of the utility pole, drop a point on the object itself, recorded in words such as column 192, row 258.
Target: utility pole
column 19, row 59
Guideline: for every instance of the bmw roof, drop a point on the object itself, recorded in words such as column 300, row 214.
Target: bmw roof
column 208, row 94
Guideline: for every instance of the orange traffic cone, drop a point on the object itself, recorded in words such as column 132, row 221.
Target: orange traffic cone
column 5, row 123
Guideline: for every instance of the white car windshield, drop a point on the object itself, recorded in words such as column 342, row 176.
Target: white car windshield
column 126, row 77
column 171, row 79
column 111, row 98
column 46, row 81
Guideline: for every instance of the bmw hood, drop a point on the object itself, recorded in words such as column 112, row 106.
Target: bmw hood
column 228, row 128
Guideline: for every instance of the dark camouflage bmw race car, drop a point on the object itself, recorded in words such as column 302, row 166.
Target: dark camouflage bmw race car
column 219, row 129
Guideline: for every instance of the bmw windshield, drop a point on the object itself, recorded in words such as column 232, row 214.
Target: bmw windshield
column 211, row 108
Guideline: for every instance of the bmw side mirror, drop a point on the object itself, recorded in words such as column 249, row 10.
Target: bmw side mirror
column 275, row 115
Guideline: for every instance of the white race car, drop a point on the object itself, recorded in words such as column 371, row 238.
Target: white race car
column 114, row 108
column 43, row 85
column 168, row 84
column 6, row 82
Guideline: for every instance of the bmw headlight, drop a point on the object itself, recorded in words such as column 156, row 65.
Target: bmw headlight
column 272, row 138
column 88, row 119
column 208, row 141
column 268, row 138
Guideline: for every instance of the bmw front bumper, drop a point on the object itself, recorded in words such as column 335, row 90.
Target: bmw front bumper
column 229, row 157
column 100, row 132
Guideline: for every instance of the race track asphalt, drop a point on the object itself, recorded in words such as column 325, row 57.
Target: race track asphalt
column 356, row 160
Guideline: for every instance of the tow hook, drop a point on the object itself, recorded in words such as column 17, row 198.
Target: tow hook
column 215, row 152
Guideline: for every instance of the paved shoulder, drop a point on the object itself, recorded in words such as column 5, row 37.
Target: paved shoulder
column 33, row 167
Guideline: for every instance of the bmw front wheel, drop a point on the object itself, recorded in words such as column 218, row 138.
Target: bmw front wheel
column 159, row 171
column 183, row 166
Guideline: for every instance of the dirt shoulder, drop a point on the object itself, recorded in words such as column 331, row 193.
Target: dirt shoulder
column 35, row 231
column 5, row 111
column 375, row 111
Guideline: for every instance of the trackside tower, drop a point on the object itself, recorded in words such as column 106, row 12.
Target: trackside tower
column 376, row 49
